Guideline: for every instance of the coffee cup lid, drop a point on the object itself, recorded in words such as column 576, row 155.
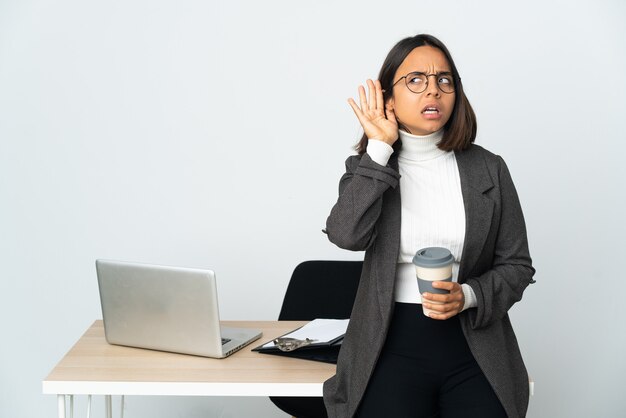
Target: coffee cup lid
column 433, row 257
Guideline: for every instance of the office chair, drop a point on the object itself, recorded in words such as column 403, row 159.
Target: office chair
column 317, row 289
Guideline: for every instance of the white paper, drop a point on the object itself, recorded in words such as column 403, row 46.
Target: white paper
column 322, row 330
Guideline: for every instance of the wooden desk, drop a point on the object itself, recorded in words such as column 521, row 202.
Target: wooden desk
column 94, row 367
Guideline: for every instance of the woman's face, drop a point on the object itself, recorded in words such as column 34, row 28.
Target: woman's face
column 426, row 112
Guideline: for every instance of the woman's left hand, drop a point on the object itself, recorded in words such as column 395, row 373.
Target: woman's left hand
column 453, row 302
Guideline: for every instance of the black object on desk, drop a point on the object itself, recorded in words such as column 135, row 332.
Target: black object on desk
column 297, row 346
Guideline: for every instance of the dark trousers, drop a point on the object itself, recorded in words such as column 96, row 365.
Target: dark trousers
column 426, row 370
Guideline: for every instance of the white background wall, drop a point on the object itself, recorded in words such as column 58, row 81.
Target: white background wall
column 213, row 135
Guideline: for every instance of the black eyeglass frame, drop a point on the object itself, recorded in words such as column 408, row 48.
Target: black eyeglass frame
column 427, row 80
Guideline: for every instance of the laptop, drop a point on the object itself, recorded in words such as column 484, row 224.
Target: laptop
column 165, row 308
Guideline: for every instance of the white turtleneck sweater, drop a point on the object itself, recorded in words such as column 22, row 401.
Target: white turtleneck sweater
column 433, row 214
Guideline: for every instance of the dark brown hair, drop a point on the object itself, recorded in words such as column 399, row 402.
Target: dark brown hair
column 460, row 130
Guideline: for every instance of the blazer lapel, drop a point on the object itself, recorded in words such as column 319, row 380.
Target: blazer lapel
column 475, row 181
column 387, row 259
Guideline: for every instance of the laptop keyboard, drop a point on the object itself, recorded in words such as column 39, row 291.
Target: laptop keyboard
column 225, row 340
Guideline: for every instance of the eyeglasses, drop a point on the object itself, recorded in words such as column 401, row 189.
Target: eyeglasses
column 417, row 82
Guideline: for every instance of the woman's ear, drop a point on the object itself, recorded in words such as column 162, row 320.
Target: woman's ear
column 389, row 109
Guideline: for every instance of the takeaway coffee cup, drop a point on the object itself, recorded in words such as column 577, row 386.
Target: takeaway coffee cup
column 433, row 264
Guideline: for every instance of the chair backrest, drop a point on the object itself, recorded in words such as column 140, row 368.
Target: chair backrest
column 321, row 289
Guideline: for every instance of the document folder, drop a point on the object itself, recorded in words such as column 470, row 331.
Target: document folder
column 319, row 340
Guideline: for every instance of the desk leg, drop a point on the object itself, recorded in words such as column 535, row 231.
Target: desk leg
column 108, row 406
column 61, row 405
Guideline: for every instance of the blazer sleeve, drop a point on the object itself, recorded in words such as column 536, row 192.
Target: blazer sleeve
column 352, row 220
column 502, row 286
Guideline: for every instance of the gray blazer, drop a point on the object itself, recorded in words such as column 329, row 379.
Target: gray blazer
column 495, row 263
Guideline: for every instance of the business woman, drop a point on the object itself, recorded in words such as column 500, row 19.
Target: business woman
column 419, row 181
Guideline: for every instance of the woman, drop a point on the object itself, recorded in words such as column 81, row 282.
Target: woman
column 463, row 360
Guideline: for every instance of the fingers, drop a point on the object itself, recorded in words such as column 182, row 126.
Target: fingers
column 357, row 111
column 364, row 105
column 453, row 307
column 442, row 316
column 449, row 304
column 372, row 107
column 372, row 93
column 456, row 293
column 447, row 285
column 444, row 310
column 373, row 100
column 380, row 103
column 433, row 297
